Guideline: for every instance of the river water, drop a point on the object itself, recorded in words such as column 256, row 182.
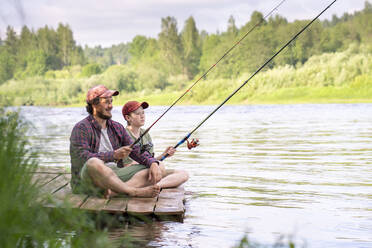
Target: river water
column 271, row 172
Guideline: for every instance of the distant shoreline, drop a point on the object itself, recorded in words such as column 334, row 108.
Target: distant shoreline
column 341, row 77
column 284, row 102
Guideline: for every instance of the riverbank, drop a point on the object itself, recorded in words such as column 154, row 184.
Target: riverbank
column 342, row 77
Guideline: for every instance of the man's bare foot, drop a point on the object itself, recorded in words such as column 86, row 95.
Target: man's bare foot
column 149, row 191
column 109, row 193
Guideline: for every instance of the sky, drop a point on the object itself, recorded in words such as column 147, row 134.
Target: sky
column 108, row 22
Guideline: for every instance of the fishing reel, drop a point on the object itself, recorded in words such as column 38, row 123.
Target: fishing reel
column 192, row 144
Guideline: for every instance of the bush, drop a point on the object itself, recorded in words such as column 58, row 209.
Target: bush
column 90, row 70
column 120, row 77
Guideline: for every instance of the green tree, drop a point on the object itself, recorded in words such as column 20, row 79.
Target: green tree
column 77, row 56
column 7, row 64
column 47, row 41
column 170, row 45
column 137, row 47
column 256, row 17
column 27, row 44
column 231, row 27
column 191, row 47
column 8, row 55
column 209, row 55
column 11, row 41
column 117, row 54
column 66, row 44
column 36, row 64
column 362, row 23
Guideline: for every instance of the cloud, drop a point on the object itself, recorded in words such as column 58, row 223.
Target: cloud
column 109, row 22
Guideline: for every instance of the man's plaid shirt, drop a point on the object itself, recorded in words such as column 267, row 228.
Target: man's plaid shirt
column 85, row 140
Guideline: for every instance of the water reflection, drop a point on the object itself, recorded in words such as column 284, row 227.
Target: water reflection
column 269, row 170
column 138, row 233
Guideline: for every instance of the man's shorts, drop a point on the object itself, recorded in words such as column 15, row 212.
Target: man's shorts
column 126, row 173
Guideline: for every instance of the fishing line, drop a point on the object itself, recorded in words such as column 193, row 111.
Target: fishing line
column 210, row 68
column 245, row 82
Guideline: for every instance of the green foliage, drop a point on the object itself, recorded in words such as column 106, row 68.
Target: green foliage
column 91, row 69
column 66, row 44
column 117, row 54
column 170, row 45
column 149, row 78
column 137, row 47
column 334, row 77
column 33, row 53
column 23, row 221
column 281, row 242
column 35, row 65
column 120, row 77
column 7, row 63
column 191, row 48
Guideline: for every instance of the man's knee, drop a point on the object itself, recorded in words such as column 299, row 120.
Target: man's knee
column 93, row 161
column 97, row 166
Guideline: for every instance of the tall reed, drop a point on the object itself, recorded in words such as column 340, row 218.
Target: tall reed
column 23, row 221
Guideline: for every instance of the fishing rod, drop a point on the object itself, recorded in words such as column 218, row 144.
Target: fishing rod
column 195, row 143
column 210, row 68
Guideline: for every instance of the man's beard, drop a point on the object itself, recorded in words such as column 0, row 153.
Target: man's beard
column 103, row 116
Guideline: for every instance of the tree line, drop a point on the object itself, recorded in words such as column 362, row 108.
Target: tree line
column 35, row 52
column 182, row 55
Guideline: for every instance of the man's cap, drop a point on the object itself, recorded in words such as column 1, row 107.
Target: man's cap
column 100, row 91
column 132, row 106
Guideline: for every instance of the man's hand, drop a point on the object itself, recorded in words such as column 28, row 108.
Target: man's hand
column 154, row 173
column 122, row 152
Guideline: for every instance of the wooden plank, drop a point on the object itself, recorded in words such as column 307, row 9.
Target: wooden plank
column 65, row 195
column 52, row 170
column 94, row 204
column 42, row 179
column 56, row 183
column 141, row 206
column 116, row 205
column 170, row 206
column 172, row 193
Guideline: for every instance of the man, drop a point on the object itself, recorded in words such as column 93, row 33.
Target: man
column 98, row 143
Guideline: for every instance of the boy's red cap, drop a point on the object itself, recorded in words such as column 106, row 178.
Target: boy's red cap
column 132, row 106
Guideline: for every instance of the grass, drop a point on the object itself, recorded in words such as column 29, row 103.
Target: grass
column 281, row 242
column 23, row 221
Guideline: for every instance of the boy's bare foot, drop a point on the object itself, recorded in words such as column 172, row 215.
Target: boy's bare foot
column 149, row 191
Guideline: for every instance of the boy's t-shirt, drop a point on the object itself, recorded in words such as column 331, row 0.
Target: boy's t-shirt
column 145, row 145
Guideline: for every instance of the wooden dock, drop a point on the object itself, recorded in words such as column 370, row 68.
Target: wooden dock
column 55, row 184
